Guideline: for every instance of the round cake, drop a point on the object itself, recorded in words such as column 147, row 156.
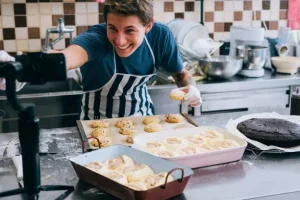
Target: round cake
column 271, row 131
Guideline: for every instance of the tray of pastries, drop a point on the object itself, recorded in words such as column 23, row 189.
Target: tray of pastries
column 113, row 131
column 193, row 147
column 128, row 173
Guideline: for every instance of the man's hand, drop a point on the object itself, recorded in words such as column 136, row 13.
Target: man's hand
column 192, row 95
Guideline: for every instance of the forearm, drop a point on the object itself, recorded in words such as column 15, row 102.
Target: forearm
column 183, row 78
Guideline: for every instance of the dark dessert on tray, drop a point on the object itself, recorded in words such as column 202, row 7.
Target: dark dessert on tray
column 277, row 132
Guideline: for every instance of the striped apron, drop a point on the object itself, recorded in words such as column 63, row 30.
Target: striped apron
column 123, row 95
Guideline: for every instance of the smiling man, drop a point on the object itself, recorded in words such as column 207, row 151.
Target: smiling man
column 118, row 58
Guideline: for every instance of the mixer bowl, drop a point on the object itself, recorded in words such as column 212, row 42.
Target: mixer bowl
column 221, row 67
column 254, row 57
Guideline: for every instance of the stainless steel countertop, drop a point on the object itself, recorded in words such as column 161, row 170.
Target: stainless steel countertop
column 259, row 175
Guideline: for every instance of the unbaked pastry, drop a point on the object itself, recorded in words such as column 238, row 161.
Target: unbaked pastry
column 166, row 153
column 189, row 150
column 96, row 167
column 155, row 180
column 119, row 163
column 138, row 186
column 136, row 172
column 97, row 132
column 194, row 140
column 174, row 143
column 222, row 144
column 100, row 123
column 151, row 120
column 150, row 128
column 155, row 146
column 116, row 176
column 173, row 118
column 211, row 134
column 104, row 142
column 123, row 122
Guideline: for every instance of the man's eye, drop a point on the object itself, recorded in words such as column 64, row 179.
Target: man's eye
column 112, row 28
column 129, row 30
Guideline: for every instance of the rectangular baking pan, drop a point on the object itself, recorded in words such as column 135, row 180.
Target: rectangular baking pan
column 181, row 174
column 186, row 122
column 200, row 159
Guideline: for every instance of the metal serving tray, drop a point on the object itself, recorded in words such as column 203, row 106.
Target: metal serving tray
column 181, row 174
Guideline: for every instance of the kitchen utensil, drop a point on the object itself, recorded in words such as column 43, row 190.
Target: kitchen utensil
column 220, row 67
column 254, row 57
column 181, row 174
column 287, row 64
column 200, row 159
column 186, row 32
column 282, row 49
column 202, row 46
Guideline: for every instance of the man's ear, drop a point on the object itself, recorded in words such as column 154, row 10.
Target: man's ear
column 149, row 26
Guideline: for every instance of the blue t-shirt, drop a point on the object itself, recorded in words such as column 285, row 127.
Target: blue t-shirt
column 100, row 66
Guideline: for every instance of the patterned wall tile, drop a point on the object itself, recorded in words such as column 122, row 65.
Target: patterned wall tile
column 23, row 23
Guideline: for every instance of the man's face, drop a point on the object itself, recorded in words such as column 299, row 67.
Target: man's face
column 125, row 33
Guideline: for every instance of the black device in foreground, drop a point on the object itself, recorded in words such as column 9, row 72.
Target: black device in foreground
column 34, row 68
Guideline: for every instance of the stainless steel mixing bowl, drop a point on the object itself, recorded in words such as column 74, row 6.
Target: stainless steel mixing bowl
column 254, row 57
column 220, row 67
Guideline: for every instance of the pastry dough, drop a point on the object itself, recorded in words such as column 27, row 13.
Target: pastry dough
column 155, row 180
column 97, row 132
column 136, row 172
column 104, row 142
column 139, row 186
column 174, row 143
column 119, row 163
column 116, row 176
column 151, row 120
column 123, row 122
column 189, row 150
column 212, row 134
column 194, row 140
column 166, row 153
column 222, row 144
column 173, row 118
column 96, row 167
column 204, row 148
column 100, row 124
column 155, row 146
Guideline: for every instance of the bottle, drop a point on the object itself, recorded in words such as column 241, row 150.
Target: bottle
column 295, row 102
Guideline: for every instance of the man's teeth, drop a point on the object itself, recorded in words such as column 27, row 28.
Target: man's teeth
column 123, row 47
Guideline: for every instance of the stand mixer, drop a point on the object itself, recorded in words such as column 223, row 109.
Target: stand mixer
column 249, row 43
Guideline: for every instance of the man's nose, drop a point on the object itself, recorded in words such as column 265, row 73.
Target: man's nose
column 120, row 39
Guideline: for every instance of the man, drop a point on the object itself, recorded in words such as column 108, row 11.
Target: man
column 118, row 58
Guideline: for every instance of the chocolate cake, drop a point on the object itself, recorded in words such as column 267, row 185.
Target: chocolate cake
column 277, row 132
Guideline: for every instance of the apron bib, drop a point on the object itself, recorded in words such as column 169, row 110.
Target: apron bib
column 124, row 95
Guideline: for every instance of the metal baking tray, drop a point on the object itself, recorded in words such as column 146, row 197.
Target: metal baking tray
column 118, row 138
column 181, row 174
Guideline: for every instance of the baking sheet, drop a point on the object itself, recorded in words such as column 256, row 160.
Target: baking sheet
column 117, row 138
column 200, row 159
column 232, row 124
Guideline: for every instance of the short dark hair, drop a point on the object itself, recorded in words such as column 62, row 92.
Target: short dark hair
column 143, row 9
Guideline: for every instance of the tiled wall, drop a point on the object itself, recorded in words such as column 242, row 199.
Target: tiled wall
column 23, row 23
